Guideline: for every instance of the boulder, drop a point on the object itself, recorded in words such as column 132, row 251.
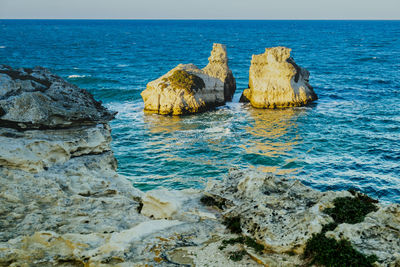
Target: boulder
column 188, row 89
column 276, row 81
column 35, row 98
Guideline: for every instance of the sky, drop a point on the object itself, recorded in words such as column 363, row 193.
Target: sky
column 199, row 9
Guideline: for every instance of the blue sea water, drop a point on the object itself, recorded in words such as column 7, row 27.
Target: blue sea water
column 350, row 138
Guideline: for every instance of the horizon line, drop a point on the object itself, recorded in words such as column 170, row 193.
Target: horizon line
column 220, row 19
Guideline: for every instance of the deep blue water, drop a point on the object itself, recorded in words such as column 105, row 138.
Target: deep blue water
column 350, row 138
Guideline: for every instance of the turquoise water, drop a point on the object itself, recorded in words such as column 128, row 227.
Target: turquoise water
column 350, row 138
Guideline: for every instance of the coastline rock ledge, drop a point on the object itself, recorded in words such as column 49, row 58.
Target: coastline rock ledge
column 276, row 81
column 62, row 202
column 187, row 89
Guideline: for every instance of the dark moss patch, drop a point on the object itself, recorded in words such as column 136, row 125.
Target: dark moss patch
column 233, row 224
column 290, row 253
column 329, row 227
column 183, row 80
column 351, row 209
column 248, row 241
column 140, row 207
column 210, row 201
column 237, row 255
column 322, row 250
column 325, row 251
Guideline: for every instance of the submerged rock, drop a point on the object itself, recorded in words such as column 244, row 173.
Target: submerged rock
column 188, row 89
column 276, row 81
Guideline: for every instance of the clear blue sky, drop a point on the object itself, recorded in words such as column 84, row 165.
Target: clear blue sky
column 201, row 9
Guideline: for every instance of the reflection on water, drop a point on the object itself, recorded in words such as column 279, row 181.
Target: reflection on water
column 160, row 124
column 238, row 135
column 274, row 135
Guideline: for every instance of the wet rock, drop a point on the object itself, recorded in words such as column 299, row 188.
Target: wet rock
column 276, row 81
column 188, row 89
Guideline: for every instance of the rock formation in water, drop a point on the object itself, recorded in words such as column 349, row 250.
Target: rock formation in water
column 276, row 81
column 188, row 89
column 62, row 202
column 218, row 67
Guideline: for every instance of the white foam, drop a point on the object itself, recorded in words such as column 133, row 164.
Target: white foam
column 122, row 65
column 2, row 46
column 74, row 76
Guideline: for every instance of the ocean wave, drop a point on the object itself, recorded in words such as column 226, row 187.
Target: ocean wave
column 76, row 76
column 2, row 46
column 366, row 59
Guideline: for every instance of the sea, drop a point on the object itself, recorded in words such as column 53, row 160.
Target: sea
column 348, row 139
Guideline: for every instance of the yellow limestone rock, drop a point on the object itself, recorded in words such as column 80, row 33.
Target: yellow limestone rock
column 188, row 89
column 218, row 68
column 276, row 81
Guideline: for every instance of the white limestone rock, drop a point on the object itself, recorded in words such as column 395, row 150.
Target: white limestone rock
column 161, row 203
column 280, row 213
column 276, row 81
column 34, row 150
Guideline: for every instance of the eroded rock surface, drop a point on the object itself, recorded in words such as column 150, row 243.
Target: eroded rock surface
column 276, row 81
column 283, row 214
column 378, row 234
column 188, row 89
column 36, row 98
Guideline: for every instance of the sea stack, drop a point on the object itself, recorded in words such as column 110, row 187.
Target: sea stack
column 187, row 89
column 276, row 81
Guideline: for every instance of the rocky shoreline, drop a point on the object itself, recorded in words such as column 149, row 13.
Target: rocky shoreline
column 62, row 203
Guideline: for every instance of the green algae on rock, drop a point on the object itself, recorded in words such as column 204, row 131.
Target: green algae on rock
column 351, row 209
column 328, row 251
column 183, row 80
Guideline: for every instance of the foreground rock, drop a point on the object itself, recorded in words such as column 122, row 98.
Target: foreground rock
column 276, row 81
column 188, row 89
column 61, row 201
column 283, row 214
